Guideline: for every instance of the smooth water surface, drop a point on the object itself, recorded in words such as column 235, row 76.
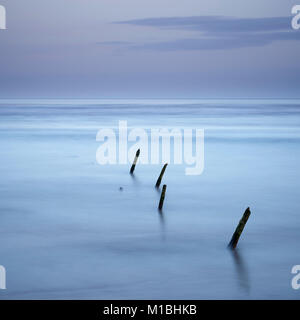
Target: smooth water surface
column 68, row 232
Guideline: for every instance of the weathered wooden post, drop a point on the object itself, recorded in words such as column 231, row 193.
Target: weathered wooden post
column 158, row 182
column 135, row 161
column 239, row 229
column 162, row 197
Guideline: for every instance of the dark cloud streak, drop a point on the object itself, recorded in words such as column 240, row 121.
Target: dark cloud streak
column 217, row 33
column 216, row 23
column 221, row 43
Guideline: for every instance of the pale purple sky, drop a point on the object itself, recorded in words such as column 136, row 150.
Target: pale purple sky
column 149, row 49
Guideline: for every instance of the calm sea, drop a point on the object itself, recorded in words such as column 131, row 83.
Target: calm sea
column 68, row 232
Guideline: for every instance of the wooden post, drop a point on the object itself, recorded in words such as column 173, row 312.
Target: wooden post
column 162, row 197
column 239, row 229
column 135, row 161
column 158, row 182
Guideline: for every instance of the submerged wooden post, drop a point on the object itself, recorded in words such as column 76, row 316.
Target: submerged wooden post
column 239, row 229
column 162, row 197
column 135, row 161
column 158, row 182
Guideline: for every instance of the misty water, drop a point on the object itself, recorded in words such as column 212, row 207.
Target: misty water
column 67, row 231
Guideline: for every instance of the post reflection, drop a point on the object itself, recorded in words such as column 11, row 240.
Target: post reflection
column 242, row 271
column 162, row 223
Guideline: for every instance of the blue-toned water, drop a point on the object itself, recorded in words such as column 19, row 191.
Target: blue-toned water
column 68, row 232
